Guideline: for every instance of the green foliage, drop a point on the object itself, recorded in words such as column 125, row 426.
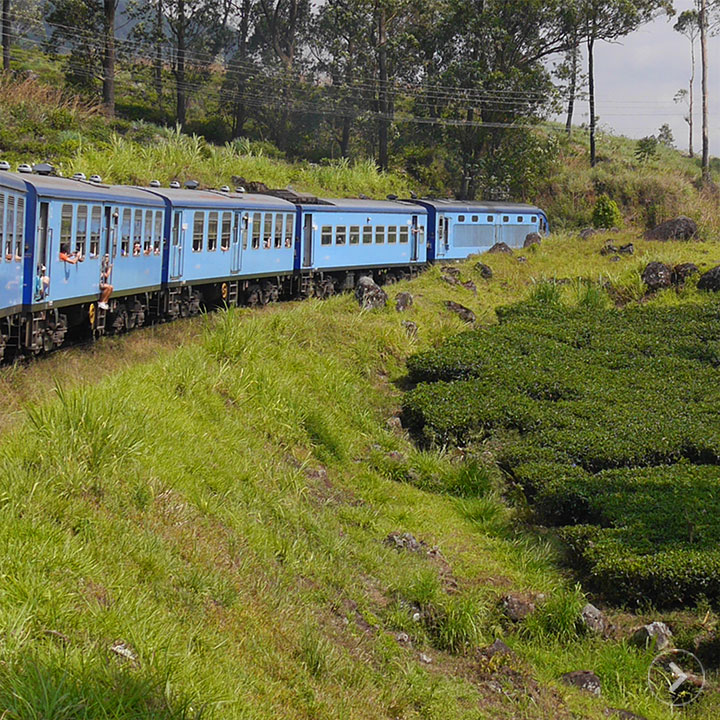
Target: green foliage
column 646, row 148
column 606, row 213
column 569, row 405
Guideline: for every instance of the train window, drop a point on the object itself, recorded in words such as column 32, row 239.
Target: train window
column 158, row 232
column 256, row 230
column 326, row 235
column 491, row 218
column 212, row 231
column 289, row 227
column 475, row 218
column 340, row 235
column 506, row 218
column 19, row 229
column 379, row 234
column 125, row 232
column 95, row 229
column 10, row 228
column 81, row 224
column 520, row 218
column 2, row 220
column 137, row 233
column 198, row 231
column 392, row 233
column 354, row 234
column 147, row 238
column 267, row 230
column 367, row 234
column 278, row 231
column 461, row 218
column 66, row 221
column 533, row 219
column 226, row 231
column 404, row 233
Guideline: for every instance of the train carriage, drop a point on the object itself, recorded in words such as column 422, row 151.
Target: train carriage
column 459, row 228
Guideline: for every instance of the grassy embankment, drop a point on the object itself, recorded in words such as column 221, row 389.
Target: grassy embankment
column 220, row 509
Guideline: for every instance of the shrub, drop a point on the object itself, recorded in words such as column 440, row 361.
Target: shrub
column 606, row 213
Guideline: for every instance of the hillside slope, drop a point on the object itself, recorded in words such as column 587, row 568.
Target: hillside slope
column 202, row 533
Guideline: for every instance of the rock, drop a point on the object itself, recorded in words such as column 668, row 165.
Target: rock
column 404, row 541
column 584, row 680
column 403, row 301
column 532, row 238
column 425, row 658
column 369, row 294
column 497, row 648
column 124, row 651
column 710, row 280
column 416, row 617
column 682, row 272
column 397, row 457
column 588, row 233
column 623, row 714
column 485, row 270
column 656, row 636
column 470, row 285
column 680, row 228
column 522, row 258
column 615, row 258
column 411, row 328
column 628, row 249
column 594, row 619
column 450, row 279
column 657, row 275
column 402, row 637
column 394, row 423
column 517, row 607
column 466, row 314
column 608, row 249
column 451, row 270
column 501, row 247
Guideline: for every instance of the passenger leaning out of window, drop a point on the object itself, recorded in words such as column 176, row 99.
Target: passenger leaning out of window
column 105, row 287
column 67, row 256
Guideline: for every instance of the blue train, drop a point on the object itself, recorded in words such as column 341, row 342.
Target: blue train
column 86, row 258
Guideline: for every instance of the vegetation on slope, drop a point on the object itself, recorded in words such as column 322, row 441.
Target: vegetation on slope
column 201, row 534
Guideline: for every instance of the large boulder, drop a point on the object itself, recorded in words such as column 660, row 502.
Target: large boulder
column 680, row 228
column 657, row 275
column 710, row 280
column 369, row 294
column 532, row 238
column 466, row 314
column 501, row 247
column 683, row 271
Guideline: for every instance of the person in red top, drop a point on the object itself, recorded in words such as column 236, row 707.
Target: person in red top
column 67, row 256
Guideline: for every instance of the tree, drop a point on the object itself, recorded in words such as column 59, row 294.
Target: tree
column 6, row 34
column 665, row 136
column 688, row 24
column 646, row 148
column 609, row 20
column 703, row 19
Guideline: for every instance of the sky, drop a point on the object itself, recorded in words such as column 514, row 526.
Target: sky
column 637, row 78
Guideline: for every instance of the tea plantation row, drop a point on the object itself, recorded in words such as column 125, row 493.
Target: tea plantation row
column 610, row 423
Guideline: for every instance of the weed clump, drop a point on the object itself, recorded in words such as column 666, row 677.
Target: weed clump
column 606, row 213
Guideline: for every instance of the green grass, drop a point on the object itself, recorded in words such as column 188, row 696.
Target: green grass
column 220, row 508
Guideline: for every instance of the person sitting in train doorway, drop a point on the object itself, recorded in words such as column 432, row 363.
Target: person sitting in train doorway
column 68, row 257
column 42, row 283
column 105, row 287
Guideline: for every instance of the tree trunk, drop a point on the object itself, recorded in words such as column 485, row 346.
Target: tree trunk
column 109, row 58
column 239, row 111
column 345, row 137
column 573, row 87
column 690, row 102
column 157, row 64
column 6, row 34
column 591, row 93
column 704, row 60
column 383, row 104
column 180, row 66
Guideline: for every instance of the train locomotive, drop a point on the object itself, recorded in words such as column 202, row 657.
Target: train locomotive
column 167, row 252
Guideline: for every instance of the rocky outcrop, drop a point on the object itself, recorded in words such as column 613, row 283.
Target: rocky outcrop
column 679, row 228
column 656, row 635
column 710, row 280
column 369, row 294
column 657, row 276
column 583, row 680
column 501, row 247
column 532, row 238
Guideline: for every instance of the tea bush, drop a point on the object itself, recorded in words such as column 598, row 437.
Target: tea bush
column 608, row 421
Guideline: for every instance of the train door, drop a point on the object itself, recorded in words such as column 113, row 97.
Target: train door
column 45, row 237
column 239, row 240
column 441, row 242
column 416, row 230
column 308, row 240
column 176, row 245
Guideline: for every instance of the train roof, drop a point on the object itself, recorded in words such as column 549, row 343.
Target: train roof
column 49, row 186
column 472, row 206
column 215, row 198
column 364, row 205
